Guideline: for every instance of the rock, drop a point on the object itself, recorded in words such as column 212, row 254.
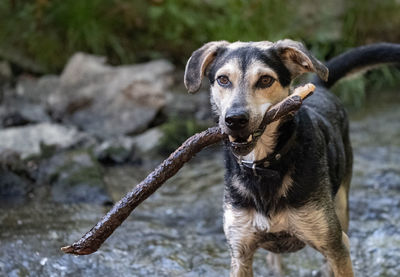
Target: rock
column 13, row 188
column 82, row 67
column 15, row 178
column 115, row 151
column 29, row 140
column 75, row 177
column 183, row 104
column 110, row 101
column 5, row 72
column 21, row 113
column 37, row 90
column 148, row 141
column 26, row 104
column 12, row 119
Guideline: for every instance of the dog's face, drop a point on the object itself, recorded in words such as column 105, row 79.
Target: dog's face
column 247, row 78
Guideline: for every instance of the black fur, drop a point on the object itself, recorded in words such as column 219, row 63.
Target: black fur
column 359, row 58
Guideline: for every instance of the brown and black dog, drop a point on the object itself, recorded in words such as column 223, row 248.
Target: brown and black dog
column 287, row 186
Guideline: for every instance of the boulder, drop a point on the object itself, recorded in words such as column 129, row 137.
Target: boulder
column 148, row 141
column 29, row 140
column 14, row 189
column 185, row 105
column 37, row 90
column 5, row 72
column 26, row 104
column 115, row 151
column 22, row 113
column 110, row 101
column 74, row 177
column 16, row 178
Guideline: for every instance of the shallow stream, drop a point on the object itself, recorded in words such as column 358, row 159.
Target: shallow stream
column 178, row 230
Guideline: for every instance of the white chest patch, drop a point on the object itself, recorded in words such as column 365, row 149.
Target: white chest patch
column 249, row 220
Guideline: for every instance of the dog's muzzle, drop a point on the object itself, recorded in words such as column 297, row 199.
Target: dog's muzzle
column 240, row 140
column 241, row 146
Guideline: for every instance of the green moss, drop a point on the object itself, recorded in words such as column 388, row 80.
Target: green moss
column 87, row 175
column 176, row 131
column 73, row 168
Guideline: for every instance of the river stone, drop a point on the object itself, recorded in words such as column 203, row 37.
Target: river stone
column 182, row 104
column 15, row 178
column 5, row 72
column 110, row 101
column 74, row 177
column 21, row 113
column 149, row 140
column 13, row 188
column 26, row 104
column 29, row 140
column 36, row 90
column 115, row 151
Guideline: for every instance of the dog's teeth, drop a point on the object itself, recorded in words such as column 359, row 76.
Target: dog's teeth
column 231, row 139
column 250, row 138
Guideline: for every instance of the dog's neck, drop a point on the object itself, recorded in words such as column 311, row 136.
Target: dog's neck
column 275, row 136
column 266, row 143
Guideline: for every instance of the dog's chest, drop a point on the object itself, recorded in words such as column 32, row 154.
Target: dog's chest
column 249, row 220
column 265, row 195
column 247, row 227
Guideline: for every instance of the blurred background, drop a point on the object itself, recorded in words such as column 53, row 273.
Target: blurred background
column 92, row 99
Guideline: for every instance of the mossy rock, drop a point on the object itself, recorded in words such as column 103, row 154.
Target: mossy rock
column 176, row 131
column 75, row 176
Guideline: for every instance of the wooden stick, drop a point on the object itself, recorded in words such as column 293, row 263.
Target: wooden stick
column 93, row 239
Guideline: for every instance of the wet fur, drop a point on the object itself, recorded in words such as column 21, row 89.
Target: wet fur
column 308, row 202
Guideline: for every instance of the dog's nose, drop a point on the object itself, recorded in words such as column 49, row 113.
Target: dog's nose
column 237, row 120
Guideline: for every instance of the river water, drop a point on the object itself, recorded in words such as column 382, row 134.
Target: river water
column 178, row 230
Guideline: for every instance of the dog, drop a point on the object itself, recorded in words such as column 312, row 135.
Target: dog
column 288, row 185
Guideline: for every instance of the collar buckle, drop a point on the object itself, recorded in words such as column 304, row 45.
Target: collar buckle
column 254, row 169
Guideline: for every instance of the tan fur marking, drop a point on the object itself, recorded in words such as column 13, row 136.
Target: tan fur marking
column 224, row 97
column 309, row 224
column 342, row 267
column 275, row 262
column 240, row 187
column 279, row 222
column 341, row 208
column 266, row 144
column 286, row 184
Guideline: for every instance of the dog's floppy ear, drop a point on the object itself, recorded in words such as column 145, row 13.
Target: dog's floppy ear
column 298, row 60
column 198, row 63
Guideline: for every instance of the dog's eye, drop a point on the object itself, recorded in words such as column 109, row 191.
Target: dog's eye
column 265, row 81
column 223, row 81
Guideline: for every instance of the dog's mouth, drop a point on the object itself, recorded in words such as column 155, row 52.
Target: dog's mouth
column 243, row 145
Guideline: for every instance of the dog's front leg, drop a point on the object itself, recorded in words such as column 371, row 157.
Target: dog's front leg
column 242, row 240
column 320, row 228
column 241, row 265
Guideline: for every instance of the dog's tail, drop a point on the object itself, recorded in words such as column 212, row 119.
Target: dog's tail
column 361, row 59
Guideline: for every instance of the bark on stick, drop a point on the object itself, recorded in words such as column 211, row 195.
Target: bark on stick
column 93, row 239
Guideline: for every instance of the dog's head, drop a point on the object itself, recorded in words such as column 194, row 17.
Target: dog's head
column 247, row 78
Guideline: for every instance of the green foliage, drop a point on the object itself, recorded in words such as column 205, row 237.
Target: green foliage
column 48, row 32
column 179, row 27
column 176, row 131
column 355, row 91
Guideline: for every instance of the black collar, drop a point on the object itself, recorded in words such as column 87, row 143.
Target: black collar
column 263, row 166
